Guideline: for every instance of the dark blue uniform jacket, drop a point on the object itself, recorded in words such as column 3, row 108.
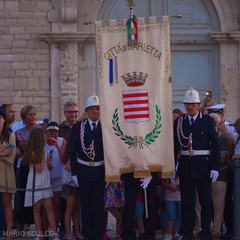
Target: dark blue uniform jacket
column 86, row 173
column 204, row 137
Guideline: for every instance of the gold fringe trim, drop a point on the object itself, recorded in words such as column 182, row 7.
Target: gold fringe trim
column 155, row 168
column 112, row 178
column 167, row 174
column 126, row 170
column 138, row 173
column 141, row 174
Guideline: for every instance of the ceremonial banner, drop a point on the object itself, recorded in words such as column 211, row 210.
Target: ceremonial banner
column 135, row 92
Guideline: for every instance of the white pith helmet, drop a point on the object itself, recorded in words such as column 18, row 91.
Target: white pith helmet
column 92, row 101
column 191, row 96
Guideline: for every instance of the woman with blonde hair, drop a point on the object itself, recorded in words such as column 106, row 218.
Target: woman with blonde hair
column 29, row 117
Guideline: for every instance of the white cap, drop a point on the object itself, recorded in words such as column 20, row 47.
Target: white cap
column 92, row 101
column 216, row 107
column 191, row 96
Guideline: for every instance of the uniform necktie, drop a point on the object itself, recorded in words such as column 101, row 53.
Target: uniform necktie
column 192, row 121
column 94, row 128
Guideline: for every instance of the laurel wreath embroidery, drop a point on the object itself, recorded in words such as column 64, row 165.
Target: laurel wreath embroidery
column 138, row 141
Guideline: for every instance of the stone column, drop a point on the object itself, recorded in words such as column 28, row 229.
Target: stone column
column 236, row 37
column 229, row 71
column 67, row 44
column 64, row 69
column 64, row 43
column 69, row 72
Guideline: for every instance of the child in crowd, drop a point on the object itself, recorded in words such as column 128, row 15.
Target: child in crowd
column 172, row 211
column 55, row 146
column 139, row 216
column 72, row 194
column 114, row 202
column 36, row 157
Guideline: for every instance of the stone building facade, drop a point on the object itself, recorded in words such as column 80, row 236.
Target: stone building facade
column 47, row 49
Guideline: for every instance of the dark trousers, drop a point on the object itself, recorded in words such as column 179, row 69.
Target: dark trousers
column 228, row 210
column 132, row 187
column 187, row 189
column 92, row 209
column 25, row 215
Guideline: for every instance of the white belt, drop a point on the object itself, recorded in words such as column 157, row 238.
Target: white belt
column 91, row 163
column 195, row 152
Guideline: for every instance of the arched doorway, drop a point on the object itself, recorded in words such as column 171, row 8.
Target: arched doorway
column 195, row 57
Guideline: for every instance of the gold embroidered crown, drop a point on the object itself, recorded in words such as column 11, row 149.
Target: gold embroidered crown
column 135, row 79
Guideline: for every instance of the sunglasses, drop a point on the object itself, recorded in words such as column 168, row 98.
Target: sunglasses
column 219, row 111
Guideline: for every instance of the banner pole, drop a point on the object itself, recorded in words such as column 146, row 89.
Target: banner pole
column 145, row 202
column 131, row 4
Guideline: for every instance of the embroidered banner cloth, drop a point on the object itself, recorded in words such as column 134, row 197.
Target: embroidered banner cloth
column 135, row 92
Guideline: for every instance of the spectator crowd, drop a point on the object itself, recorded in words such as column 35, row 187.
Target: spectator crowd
column 52, row 175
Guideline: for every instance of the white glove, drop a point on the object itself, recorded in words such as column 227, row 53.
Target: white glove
column 106, row 185
column 75, row 180
column 145, row 181
column 214, row 175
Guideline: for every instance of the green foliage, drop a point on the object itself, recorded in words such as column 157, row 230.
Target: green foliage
column 139, row 141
